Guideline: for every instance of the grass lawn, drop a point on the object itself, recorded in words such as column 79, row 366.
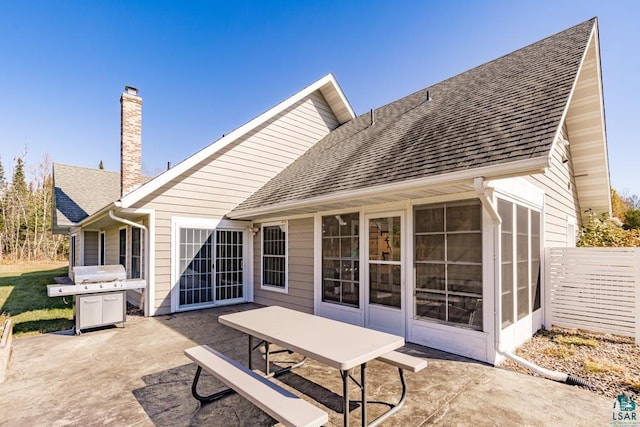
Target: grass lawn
column 23, row 297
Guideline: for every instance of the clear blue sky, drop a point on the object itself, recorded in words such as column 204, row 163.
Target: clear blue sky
column 205, row 68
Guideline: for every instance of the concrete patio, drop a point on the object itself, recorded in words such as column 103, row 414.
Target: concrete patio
column 138, row 376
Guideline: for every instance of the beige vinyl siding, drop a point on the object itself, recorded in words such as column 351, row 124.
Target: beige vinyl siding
column 218, row 184
column 90, row 248
column 561, row 199
column 299, row 269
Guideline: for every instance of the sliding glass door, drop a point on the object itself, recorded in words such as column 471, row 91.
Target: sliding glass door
column 210, row 267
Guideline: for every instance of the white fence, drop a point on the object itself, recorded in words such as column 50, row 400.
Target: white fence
column 596, row 289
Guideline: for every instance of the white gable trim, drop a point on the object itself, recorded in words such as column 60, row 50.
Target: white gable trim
column 327, row 85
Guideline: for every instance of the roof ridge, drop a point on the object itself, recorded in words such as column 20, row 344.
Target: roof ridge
column 85, row 167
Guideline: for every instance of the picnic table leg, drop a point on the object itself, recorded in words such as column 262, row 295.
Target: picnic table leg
column 211, row 397
column 363, row 389
column 266, row 358
column 392, row 408
column 250, row 352
column 346, row 375
column 345, row 396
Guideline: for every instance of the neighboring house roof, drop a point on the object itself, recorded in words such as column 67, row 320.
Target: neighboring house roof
column 80, row 192
column 504, row 112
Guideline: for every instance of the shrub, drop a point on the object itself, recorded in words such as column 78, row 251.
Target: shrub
column 601, row 231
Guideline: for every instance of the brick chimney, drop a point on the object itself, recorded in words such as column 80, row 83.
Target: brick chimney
column 130, row 140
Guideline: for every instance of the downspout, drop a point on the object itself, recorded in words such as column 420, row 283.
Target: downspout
column 146, row 243
column 478, row 184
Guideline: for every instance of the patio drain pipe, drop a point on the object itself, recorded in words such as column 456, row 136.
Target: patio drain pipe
column 146, row 241
column 478, row 184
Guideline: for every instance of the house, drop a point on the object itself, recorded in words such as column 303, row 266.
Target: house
column 427, row 217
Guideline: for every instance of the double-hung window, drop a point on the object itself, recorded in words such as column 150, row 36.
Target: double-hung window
column 274, row 256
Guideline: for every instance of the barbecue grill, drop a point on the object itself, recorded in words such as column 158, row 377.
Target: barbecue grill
column 100, row 293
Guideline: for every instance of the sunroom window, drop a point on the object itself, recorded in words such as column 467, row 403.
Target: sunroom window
column 340, row 259
column 520, row 261
column 448, row 263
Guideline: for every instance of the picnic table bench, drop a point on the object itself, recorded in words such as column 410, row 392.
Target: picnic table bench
column 279, row 403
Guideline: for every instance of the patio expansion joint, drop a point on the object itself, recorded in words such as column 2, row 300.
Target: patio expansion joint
column 444, row 407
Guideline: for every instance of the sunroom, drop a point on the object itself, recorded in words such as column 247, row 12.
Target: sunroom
column 432, row 269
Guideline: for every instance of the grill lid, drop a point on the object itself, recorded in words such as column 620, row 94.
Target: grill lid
column 98, row 273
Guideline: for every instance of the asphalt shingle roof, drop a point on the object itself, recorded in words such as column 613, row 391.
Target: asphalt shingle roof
column 80, row 192
column 506, row 110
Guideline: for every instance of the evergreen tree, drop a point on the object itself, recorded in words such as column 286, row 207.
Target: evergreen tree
column 3, row 180
column 19, row 182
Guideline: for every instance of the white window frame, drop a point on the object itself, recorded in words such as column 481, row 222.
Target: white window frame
column 72, row 250
column 102, row 248
column 126, row 248
column 130, row 251
column 284, row 227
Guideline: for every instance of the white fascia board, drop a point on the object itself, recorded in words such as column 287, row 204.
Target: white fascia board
column 507, row 170
column 326, row 83
column 556, row 138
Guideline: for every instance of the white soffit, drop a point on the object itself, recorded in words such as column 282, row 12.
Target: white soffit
column 585, row 121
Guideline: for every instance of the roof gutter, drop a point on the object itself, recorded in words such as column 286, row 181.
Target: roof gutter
column 490, row 208
column 512, row 169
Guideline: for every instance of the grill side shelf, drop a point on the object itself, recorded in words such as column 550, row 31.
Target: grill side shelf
column 90, row 288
